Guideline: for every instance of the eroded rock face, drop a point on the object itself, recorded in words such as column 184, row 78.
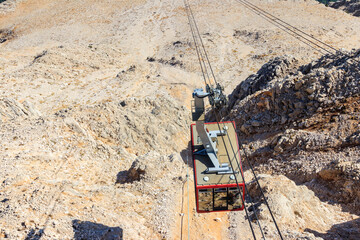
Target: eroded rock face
column 7, row 6
column 342, row 177
column 304, row 123
column 276, row 68
column 323, row 89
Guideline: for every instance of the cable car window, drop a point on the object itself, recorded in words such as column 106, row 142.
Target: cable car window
column 220, row 199
column 206, row 199
column 234, row 198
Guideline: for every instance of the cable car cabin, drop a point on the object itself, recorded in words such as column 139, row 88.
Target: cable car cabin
column 215, row 151
column 216, row 190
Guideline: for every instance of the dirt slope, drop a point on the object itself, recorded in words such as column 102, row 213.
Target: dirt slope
column 95, row 112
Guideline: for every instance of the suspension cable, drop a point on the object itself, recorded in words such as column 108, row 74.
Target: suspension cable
column 245, row 3
column 247, row 192
column 202, row 44
column 253, row 172
column 188, row 193
column 202, row 62
column 242, row 175
column 238, row 187
column 292, row 30
column 262, row 192
column 287, row 31
column 195, row 42
column 188, row 8
column 297, row 29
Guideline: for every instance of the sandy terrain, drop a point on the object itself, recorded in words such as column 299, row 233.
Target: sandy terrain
column 90, row 87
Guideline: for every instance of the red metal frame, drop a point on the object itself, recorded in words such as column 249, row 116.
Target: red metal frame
column 242, row 185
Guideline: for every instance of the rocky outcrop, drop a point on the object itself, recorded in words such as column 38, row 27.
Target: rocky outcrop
column 6, row 34
column 350, row 6
column 135, row 173
column 275, row 69
column 7, row 6
column 304, row 123
column 325, row 89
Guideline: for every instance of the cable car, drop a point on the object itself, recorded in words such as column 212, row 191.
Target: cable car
column 214, row 145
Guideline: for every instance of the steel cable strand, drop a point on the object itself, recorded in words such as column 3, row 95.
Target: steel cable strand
column 201, row 47
column 237, row 183
column 297, row 29
column 291, row 30
column 264, row 14
column 202, row 53
column 188, row 201
column 182, row 210
column 240, row 168
column 286, row 30
column 257, row 182
column 206, row 55
column 195, row 42
column 256, row 179
column 188, row 193
column 262, row 192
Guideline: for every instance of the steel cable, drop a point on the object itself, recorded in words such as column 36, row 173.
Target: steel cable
column 297, row 29
column 204, row 72
column 240, row 168
column 201, row 55
column 188, row 9
column 202, row 44
column 238, row 187
column 287, row 31
column 195, row 42
column 296, row 32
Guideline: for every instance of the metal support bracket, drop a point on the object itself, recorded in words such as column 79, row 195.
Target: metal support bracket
column 209, row 138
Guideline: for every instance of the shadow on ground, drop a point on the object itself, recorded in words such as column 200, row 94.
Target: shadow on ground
column 186, row 155
column 347, row 230
column 35, row 234
column 95, row 231
column 350, row 6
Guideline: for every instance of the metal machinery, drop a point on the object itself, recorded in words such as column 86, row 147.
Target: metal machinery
column 214, row 145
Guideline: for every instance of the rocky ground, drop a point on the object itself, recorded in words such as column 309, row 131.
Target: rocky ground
column 305, row 126
column 95, row 112
column 352, row 7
